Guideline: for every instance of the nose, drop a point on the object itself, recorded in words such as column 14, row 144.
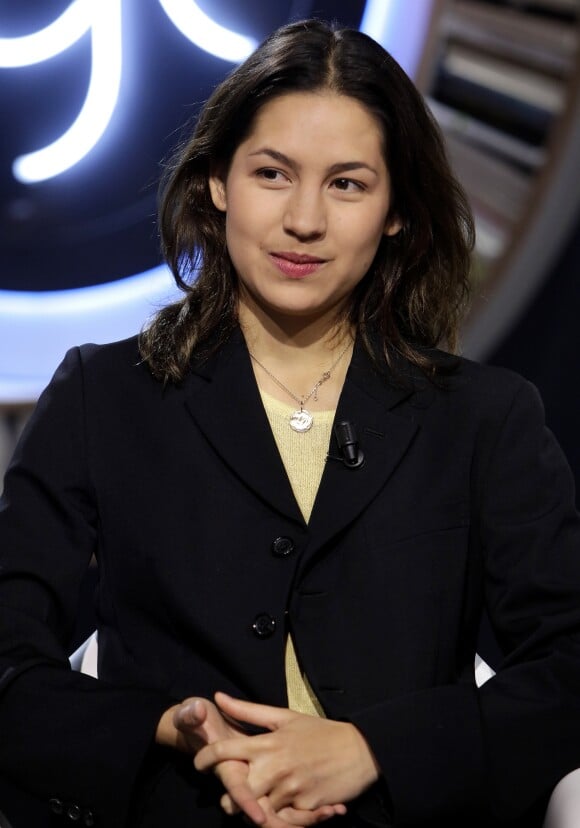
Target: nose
column 305, row 215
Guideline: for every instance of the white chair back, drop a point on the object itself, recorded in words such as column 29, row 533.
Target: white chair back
column 564, row 806
column 84, row 659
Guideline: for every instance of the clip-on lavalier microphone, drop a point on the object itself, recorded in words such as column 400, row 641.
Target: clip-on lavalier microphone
column 351, row 455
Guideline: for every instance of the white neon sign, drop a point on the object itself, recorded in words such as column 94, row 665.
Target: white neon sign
column 103, row 19
column 102, row 94
column 36, row 329
column 206, row 33
column 59, row 319
column 48, row 42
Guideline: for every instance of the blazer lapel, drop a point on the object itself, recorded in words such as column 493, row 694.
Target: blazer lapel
column 223, row 398
column 369, row 400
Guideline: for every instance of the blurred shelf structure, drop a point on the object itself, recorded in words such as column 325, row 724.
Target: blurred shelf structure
column 502, row 78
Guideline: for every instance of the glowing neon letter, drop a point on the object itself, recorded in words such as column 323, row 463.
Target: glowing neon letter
column 103, row 19
column 206, row 33
column 47, row 42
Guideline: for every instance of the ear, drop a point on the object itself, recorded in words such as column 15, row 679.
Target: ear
column 217, row 189
column 393, row 225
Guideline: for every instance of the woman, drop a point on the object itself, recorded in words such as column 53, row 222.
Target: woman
column 295, row 498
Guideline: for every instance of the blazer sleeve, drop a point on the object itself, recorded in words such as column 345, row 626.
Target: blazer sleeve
column 447, row 749
column 64, row 735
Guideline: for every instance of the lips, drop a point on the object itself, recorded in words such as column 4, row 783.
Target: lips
column 299, row 258
column 296, row 265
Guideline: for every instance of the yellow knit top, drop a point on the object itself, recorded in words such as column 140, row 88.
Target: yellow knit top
column 303, row 455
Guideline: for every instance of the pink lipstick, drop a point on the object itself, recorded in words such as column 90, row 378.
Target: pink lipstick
column 296, row 265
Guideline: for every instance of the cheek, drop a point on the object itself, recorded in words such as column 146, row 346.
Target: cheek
column 362, row 239
column 247, row 219
column 363, row 246
column 362, row 229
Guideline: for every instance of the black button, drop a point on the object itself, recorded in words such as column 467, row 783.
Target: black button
column 74, row 813
column 282, row 547
column 264, row 625
column 56, row 806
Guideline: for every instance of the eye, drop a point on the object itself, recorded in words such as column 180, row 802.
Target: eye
column 271, row 175
column 348, row 185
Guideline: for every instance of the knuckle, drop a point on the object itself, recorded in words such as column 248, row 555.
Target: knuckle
column 292, row 788
column 219, row 750
column 306, row 801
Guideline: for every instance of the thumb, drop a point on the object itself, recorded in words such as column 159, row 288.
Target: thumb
column 191, row 714
column 261, row 715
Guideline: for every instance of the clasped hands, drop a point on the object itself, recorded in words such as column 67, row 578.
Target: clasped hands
column 299, row 773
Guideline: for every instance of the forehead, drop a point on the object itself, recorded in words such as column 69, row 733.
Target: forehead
column 316, row 124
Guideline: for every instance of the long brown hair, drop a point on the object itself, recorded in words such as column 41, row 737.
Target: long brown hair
column 412, row 298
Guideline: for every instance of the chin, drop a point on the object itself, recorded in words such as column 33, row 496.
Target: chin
column 300, row 312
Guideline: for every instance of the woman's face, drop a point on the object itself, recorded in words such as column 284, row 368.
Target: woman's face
column 307, row 200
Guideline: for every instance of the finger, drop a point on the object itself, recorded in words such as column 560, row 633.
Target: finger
column 242, row 749
column 243, row 799
column 261, row 715
column 294, row 816
column 275, row 820
column 191, row 714
column 339, row 810
column 280, row 801
column 228, row 805
column 234, row 777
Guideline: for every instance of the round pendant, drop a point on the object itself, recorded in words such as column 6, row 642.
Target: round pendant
column 301, row 420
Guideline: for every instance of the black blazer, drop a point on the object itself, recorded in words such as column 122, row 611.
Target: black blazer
column 464, row 500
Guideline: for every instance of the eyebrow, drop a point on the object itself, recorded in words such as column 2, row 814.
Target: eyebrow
column 344, row 166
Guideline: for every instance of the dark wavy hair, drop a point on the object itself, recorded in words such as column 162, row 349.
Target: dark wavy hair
column 412, row 298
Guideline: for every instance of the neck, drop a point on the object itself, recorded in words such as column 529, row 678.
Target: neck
column 311, row 341
column 295, row 353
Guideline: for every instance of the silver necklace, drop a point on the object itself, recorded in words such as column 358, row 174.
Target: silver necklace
column 301, row 420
